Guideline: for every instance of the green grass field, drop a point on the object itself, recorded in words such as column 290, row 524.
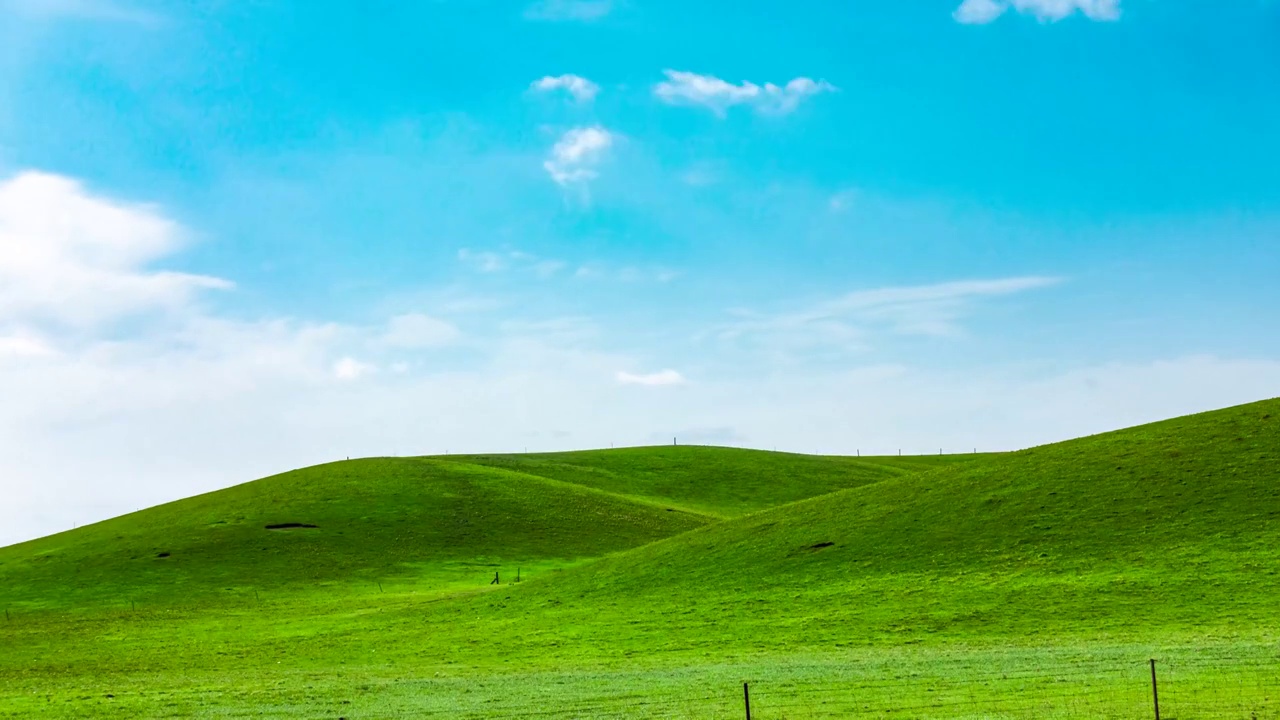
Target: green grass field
column 655, row 581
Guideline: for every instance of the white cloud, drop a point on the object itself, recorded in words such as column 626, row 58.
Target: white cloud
column 351, row 369
column 68, row 258
column 575, row 156
column 657, row 379
column 416, row 330
column 686, row 88
column 981, row 12
column 569, row 10
column 582, row 89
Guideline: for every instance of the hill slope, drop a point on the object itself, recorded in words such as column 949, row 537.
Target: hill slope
column 1090, row 555
column 428, row 521
column 427, row 524
column 1170, row 527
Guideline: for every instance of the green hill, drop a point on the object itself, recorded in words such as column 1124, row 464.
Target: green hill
column 1173, row 526
column 1056, row 570
column 429, row 523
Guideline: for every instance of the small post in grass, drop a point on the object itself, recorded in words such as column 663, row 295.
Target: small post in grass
column 495, row 579
column 379, row 586
column 6, row 615
column 746, row 698
column 1155, row 692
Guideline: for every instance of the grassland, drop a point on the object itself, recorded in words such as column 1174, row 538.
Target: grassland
column 1031, row 584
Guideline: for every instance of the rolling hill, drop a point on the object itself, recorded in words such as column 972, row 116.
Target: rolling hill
column 665, row 571
column 1173, row 526
column 438, row 524
column 431, row 523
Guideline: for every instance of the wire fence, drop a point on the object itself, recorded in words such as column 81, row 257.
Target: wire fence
column 1201, row 687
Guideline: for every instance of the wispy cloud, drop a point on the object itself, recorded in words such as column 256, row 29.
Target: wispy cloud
column 625, row 274
column 981, row 12
column 687, row 88
column 849, row 320
column 569, row 10
column 656, row 379
column 576, row 154
column 582, row 89
column 506, row 259
column 494, row 261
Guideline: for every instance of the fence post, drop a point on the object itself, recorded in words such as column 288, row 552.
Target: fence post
column 746, row 697
column 1155, row 693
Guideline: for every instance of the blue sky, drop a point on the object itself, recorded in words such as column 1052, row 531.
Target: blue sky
column 239, row 237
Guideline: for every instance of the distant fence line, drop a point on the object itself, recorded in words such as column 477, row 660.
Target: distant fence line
column 1206, row 688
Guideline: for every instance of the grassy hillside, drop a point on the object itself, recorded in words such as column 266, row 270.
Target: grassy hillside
column 430, row 523
column 1170, row 526
column 724, row 482
column 1049, row 574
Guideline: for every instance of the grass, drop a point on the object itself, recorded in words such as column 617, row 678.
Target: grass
column 1032, row 584
column 435, row 525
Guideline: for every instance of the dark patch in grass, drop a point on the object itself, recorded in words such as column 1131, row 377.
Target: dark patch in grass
column 290, row 526
column 162, row 555
column 821, row 545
